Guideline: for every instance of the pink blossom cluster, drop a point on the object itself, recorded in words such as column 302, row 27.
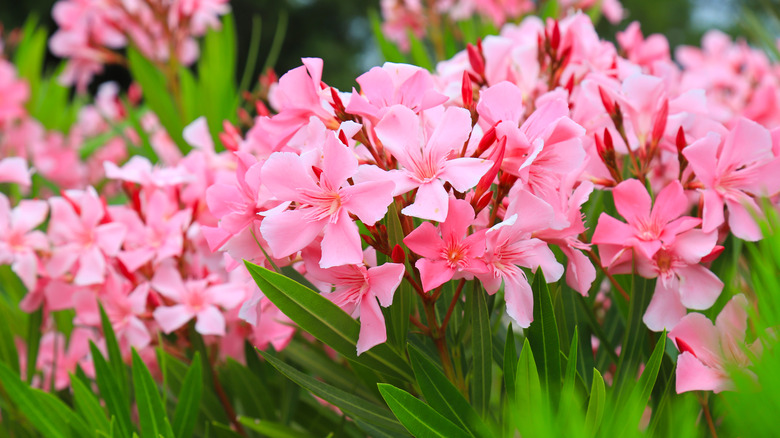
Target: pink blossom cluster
column 484, row 166
column 92, row 31
column 57, row 155
column 420, row 16
column 145, row 260
column 489, row 161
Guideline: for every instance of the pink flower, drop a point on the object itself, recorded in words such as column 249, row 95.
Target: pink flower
column 646, row 230
column 79, row 235
column 19, row 240
column 236, row 205
column 322, row 202
column 448, row 250
column 158, row 237
column 682, row 282
column 196, row 299
column 360, row 291
column 733, row 170
column 272, row 327
column 124, row 307
column 509, row 246
column 707, row 351
column 427, row 155
column 57, row 362
column 393, row 84
column 298, row 97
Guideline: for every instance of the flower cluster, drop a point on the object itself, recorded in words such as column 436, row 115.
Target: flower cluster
column 478, row 171
column 419, row 17
column 91, row 31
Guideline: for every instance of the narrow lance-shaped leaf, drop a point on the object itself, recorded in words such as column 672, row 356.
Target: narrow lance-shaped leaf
column 116, row 402
column 115, row 360
column 528, row 390
column 510, row 362
column 8, row 352
column 571, row 366
column 88, row 406
column 33, row 341
column 444, row 397
column 325, row 321
column 353, row 406
column 634, row 337
column 399, row 312
column 595, row 404
column 543, row 334
column 481, row 343
column 272, row 430
column 418, row 418
column 635, row 403
column 151, row 412
column 22, row 397
column 186, row 414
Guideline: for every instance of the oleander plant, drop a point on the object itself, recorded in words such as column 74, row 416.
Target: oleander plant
column 511, row 228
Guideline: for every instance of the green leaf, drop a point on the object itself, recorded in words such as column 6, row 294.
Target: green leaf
column 418, row 418
column 22, row 396
column 401, row 308
column 30, row 55
column 543, row 334
column 271, row 429
column 528, row 390
column 151, row 412
column 218, row 96
column 326, row 321
column 48, row 404
column 633, row 402
column 247, row 388
column 353, row 406
column 8, row 353
column 116, row 401
column 33, row 341
column 115, row 360
column 633, row 339
column 47, row 413
column 444, row 397
column 88, row 405
column 210, row 407
column 420, row 56
column 186, row 414
column 595, row 404
column 510, row 362
column 571, row 365
column 317, row 362
column 390, row 51
column 157, row 96
column 549, row 9
column 481, row 343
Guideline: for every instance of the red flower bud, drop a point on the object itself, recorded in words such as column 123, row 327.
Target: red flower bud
column 343, row 138
column 555, row 39
column 681, row 143
column 484, row 201
column 467, row 91
column 683, row 347
column 398, row 255
column 476, row 60
column 261, row 109
column 659, row 125
column 607, row 101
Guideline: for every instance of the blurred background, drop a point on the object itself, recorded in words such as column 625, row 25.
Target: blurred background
column 339, row 31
